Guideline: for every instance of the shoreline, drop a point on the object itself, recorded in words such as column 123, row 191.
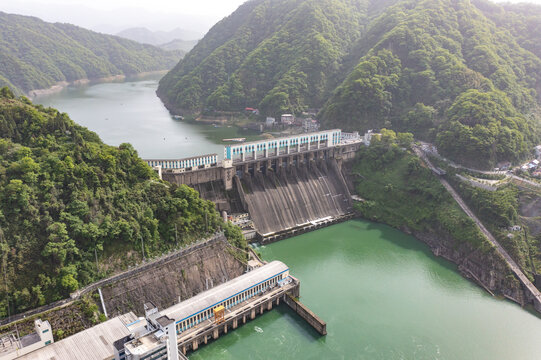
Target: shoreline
column 61, row 85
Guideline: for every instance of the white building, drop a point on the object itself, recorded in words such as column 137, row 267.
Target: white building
column 12, row 347
column 287, row 119
column 156, row 339
column 538, row 151
column 310, row 125
column 282, row 146
column 368, row 137
column 269, row 121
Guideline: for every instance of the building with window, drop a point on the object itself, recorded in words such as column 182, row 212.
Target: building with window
column 12, row 347
column 153, row 337
column 287, row 119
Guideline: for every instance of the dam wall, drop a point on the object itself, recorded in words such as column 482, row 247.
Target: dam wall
column 294, row 196
column 195, row 177
column 308, row 315
column 287, row 185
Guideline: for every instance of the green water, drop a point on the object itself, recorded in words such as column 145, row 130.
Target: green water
column 384, row 296
column 381, row 292
column 130, row 111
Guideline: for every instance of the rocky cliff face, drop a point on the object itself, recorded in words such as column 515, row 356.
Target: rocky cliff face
column 176, row 280
column 485, row 267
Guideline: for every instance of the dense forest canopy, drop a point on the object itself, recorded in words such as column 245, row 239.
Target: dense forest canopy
column 65, row 198
column 411, row 65
column 35, row 54
column 278, row 55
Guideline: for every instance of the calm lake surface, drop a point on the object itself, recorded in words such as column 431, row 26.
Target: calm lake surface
column 384, row 296
column 131, row 112
column 381, row 292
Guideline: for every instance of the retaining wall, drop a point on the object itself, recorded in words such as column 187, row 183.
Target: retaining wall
column 319, row 325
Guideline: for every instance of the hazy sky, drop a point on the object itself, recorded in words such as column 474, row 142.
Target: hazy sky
column 111, row 16
column 213, row 7
column 114, row 15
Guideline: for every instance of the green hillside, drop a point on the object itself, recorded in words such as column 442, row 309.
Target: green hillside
column 445, row 72
column 464, row 75
column 35, row 54
column 277, row 55
column 65, row 198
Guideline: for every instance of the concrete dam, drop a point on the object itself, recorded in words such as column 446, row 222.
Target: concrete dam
column 285, row 186
column 294, row 196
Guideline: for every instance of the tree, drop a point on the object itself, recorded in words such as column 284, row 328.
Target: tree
column 60, row 247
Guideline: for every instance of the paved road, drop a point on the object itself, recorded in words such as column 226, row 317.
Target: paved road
column 529, row 182
column 486, row 172
column 510, row 262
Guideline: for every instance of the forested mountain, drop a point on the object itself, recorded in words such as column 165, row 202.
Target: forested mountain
column 465, row 75
column 35, row 54
column 276, row 55
column 65, row 198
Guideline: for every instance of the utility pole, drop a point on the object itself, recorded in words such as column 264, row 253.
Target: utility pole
column 96, row 255
column 142, row 246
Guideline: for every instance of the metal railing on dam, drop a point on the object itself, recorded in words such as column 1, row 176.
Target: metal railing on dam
column 261, row 150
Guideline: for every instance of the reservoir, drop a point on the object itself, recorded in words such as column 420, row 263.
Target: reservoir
column 384, row 296
column 382, row 293
column 130, row 111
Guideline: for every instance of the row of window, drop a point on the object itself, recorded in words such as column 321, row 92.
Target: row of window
column 160, row 353
column 237, row 151
column 247, row 294
column 282, row 143
column 181, row 164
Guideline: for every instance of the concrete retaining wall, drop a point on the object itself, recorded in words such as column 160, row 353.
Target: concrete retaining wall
column 194, row 177
column 319, row 325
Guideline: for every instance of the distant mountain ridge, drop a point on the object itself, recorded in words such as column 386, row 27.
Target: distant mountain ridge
column 146, row 36
column 463, row 74
column 178, row 44
column 36, row 55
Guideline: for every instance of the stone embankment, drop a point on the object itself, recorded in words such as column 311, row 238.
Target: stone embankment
column 188, row 271
column 174, row 280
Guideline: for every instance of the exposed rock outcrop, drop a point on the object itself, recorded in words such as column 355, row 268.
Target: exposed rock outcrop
column 485, row 267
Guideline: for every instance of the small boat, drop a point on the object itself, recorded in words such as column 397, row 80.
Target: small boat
column 234, row 140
